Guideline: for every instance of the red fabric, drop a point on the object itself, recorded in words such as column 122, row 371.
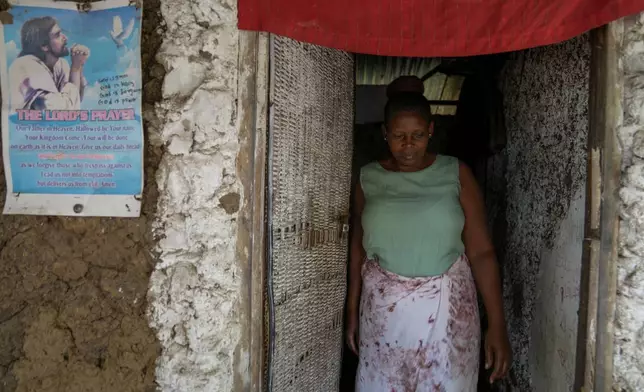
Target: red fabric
column 431, row 28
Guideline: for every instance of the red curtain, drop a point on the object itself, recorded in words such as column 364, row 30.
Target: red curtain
column 431, row 28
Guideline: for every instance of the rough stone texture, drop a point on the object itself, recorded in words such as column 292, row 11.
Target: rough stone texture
column 546, row 105
column 195, row 288
column 629, row 318
column 73, row 290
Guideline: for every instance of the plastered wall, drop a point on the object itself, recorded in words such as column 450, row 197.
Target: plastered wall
column 537, row 185
column 198, row 295
column 629, row 318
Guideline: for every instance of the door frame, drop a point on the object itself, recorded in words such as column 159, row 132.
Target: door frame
column 253, row 89
column 598, row 284
column 594, row 367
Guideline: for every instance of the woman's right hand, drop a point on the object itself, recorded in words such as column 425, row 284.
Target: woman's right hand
column 352, row 332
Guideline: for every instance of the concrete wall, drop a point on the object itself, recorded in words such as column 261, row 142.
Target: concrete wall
column 73, row 290
column 542, row 173
column 199, row 289
column 629, row 320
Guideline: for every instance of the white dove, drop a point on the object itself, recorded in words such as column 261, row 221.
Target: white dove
column 118, row 34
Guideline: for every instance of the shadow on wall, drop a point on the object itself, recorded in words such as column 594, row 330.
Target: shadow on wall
column 73, row 290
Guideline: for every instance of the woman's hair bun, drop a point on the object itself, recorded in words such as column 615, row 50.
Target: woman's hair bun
column 413, row 102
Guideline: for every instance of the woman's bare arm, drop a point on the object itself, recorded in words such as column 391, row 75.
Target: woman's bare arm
column 480, row 252
column 357, row 253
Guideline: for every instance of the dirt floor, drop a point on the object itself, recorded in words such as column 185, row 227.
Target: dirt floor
column 73, row 290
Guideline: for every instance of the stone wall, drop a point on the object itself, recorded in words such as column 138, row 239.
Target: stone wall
column 629, row 320
column 542, row 172
column 73, row 290
column 197, row 289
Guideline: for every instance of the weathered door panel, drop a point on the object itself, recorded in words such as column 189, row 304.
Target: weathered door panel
column 309, row 175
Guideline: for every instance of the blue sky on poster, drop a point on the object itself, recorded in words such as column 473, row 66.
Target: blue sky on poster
column 91, row 29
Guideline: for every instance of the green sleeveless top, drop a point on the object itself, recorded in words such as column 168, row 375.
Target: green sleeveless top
column 413, row 222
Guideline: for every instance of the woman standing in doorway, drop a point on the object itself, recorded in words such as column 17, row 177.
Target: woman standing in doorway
column 420, row 242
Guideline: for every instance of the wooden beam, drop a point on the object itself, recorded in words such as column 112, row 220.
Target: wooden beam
column 251, row 170
column 594, row 362
column 612, row 86
column 443, row 103
column 430, row 73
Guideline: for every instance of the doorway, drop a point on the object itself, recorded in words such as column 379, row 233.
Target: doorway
column 466, row 105
column 524, row 116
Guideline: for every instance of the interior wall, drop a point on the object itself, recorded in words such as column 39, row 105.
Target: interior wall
column 536, row 189
column 73, row 290
column 629, row 320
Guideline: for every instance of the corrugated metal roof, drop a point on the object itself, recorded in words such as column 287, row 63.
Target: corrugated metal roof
column 441, row 87
column 379, row 70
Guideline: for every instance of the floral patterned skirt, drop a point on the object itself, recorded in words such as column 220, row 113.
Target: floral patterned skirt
column 418, row 334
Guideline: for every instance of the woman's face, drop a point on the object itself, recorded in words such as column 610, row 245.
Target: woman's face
column 408, row 135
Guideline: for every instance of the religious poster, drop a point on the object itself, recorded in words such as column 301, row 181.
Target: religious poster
column 72, row 137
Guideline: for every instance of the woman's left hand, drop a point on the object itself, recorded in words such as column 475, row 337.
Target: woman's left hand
column 498, row 355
